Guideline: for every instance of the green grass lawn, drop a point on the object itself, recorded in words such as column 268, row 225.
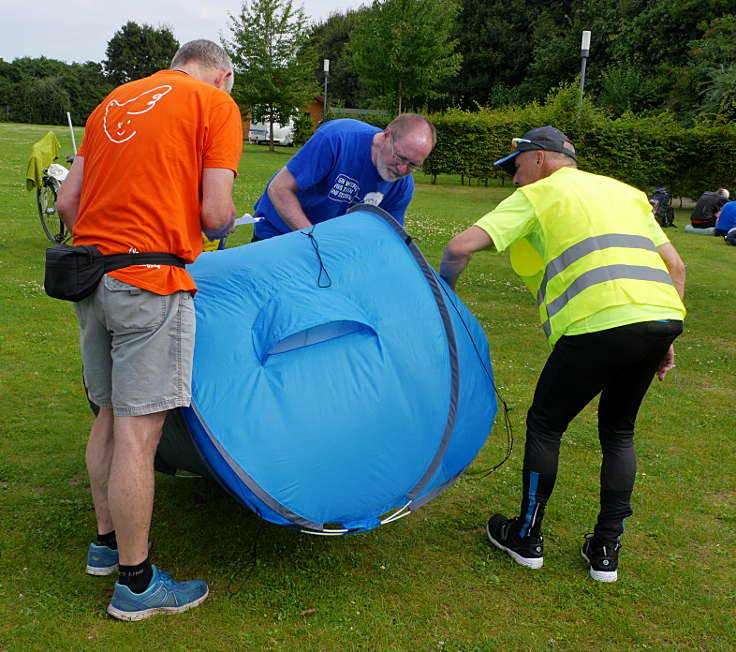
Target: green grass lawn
column 427, row 582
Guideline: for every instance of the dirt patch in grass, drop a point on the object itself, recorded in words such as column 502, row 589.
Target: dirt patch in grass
column 725, row 497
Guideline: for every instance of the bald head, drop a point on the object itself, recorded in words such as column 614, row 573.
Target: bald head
column 415, row 125
column 402, row 146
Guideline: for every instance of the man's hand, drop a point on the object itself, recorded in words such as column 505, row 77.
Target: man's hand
column 668, row 362
column 459, row 251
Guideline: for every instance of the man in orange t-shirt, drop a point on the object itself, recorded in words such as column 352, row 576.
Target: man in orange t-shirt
column 155, row 169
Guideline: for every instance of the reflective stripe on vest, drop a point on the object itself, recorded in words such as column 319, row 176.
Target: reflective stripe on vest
column 601, row 275
column 587, row 246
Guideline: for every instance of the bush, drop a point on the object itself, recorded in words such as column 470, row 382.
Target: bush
column 646, row 152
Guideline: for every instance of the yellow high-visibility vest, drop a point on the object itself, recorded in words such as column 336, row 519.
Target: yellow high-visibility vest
column 596, row 250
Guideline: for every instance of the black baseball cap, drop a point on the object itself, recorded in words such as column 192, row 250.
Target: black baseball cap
column 546, row 138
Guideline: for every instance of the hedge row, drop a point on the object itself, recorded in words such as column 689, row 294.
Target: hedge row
column 646, row 152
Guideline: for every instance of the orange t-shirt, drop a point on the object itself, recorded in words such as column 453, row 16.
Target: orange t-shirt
column 144, row 150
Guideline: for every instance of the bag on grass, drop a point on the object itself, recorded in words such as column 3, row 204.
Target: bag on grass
column 73, row 273
column 661, row 202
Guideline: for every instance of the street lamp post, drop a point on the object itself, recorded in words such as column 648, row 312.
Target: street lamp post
column 584, row 51
column 327, row 74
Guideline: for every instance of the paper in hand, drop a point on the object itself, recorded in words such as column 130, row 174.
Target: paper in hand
column 247, row 219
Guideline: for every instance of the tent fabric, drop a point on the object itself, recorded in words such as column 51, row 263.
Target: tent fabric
column 337, row 378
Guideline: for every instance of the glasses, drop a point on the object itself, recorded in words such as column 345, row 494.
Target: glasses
column 402, row 160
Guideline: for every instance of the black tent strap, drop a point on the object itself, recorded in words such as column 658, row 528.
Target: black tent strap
column 322, row 268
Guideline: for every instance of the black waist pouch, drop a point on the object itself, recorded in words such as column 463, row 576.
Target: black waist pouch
column 73, row 273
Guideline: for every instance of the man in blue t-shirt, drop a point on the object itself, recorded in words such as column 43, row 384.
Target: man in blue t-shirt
column 345, row 162
column 726, row 219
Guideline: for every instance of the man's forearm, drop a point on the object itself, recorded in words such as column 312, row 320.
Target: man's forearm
column 675, row 267
column 290, row 210
column 67, row 202
column 282, row 193
column 218, row 210
column 68, row 215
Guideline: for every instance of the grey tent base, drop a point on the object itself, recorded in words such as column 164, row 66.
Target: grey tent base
column 176, row 450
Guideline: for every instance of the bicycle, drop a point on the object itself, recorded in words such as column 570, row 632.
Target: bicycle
column 46, row 194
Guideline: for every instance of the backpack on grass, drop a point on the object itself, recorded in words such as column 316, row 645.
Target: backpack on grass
column 661, row 202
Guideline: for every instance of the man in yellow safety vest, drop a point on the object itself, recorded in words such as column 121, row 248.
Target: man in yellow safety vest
column 609, row 288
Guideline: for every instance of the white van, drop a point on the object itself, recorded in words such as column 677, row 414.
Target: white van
column 260, row 133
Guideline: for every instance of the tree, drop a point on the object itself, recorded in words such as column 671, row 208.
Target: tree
column 626, row 87
column 708, row 83
column 43, row 101
column 42, row 90
column 403, row 50
column 645, row 56
column 493, row 39
column 329, row 40
column 719, row 93
column 661, row 31
column 87, row 87
column 660, row 34
column 136, row 51
column 273, row 71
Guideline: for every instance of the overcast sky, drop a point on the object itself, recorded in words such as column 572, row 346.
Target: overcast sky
column 78, row 30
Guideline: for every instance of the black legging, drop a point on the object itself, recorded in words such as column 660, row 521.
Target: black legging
column 618, row 364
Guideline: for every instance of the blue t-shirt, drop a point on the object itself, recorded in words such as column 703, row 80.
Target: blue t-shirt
column 727, row 218
column 334, row 171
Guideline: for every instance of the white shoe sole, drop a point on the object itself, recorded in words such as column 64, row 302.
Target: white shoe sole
column 600, row 576
column 528, row 562
column 147, row 613
column 101, row 570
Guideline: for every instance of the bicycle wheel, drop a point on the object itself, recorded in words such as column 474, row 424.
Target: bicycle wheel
column 53, row 227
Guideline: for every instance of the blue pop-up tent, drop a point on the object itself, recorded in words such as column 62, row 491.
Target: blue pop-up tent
column 338, row 382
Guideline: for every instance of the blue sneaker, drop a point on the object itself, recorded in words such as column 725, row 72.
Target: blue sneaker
column 163, row 596
column 101, row 560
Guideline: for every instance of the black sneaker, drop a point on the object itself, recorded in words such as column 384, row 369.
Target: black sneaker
column 527, row 551
column 602, row 557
